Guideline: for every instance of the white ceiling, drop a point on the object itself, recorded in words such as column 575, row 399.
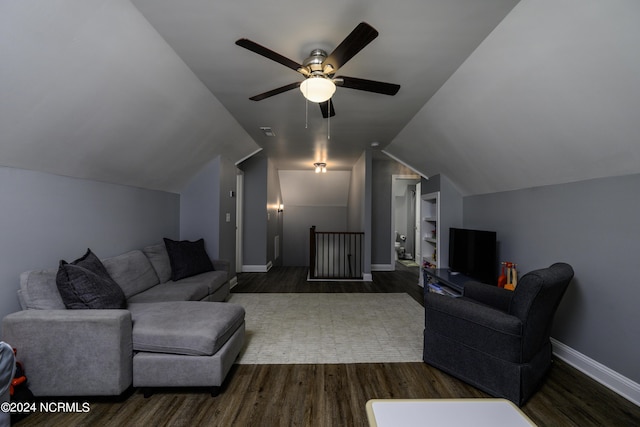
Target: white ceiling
column 420, row 44
column 551, row 96
column 145, row 95
column 89, row 89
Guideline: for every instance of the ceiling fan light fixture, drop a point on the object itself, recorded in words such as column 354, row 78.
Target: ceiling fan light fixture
column 317, row 89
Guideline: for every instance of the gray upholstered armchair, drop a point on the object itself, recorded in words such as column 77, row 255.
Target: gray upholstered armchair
column 495, row 339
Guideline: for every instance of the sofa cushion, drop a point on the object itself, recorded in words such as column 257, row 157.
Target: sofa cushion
column 132, row 271
column 212, row 279
column 187, row 258
column 190, row 328
column 85, row 283
column 39, row 291
column 159, row 258
column 192, row 291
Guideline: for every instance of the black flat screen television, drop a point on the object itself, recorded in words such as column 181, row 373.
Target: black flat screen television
column 474, row 254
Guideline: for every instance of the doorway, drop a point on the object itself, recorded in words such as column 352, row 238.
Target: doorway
column 239, row 219
column 405, row 218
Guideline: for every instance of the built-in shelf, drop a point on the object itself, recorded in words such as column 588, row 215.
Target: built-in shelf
column 430, row 212
column 441, row 209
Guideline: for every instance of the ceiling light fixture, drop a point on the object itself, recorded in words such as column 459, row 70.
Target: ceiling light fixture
column 318, row 88
column 320, row 167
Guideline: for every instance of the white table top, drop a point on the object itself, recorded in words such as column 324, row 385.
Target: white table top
column 445, row 412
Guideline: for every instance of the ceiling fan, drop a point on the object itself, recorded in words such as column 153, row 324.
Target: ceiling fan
column 319, row 70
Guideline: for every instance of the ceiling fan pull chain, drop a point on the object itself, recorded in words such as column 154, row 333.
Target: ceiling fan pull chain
column 329, row 119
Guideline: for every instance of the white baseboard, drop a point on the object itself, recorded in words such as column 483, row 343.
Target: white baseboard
column 367, row 277
column 382, row 267
column 233, row 281
column 609, row 378
column 257, row 268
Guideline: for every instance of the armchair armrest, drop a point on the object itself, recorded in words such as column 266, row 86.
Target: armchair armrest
column 493, row 296
column 478, row 326
column 469, row 311
column 73, row 352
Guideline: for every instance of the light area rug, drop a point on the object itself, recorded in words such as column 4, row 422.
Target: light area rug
column 324, row 328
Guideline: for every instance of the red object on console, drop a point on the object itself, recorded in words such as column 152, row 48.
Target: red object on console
column 502, row 279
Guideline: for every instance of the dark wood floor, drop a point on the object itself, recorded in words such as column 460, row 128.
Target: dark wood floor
column 335, row 395
column 294, row 279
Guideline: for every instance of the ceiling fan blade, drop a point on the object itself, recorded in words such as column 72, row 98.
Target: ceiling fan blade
column 361, row 36
column 367, row 85
column 327, row 109
column 268, row 53
column 275, row 91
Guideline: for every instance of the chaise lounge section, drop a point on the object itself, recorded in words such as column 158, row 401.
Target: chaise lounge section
column 169, row 333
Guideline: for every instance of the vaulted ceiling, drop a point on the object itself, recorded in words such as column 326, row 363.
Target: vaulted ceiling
column 495, row 94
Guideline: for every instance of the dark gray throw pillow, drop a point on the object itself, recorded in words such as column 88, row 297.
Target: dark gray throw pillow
column 85, row 283
column 187, row 258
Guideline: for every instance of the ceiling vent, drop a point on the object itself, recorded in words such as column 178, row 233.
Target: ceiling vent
column 267, row 131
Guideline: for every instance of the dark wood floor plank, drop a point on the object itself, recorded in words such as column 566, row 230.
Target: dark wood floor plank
column 336, row 395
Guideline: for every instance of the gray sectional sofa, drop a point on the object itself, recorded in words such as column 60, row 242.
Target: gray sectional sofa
column 170, row 334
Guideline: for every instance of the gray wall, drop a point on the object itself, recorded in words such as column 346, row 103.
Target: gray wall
column 204, row 203
column 45, row 218
column 261, row 222
column 200, row 207
column 360, row 203
column 254, row 240
column 297, row 222
column 228, row 183
column 594, row 226
column 355, row 206
column 274, row 218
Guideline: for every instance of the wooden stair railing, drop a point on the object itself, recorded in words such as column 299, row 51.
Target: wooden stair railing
column 335, row 254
